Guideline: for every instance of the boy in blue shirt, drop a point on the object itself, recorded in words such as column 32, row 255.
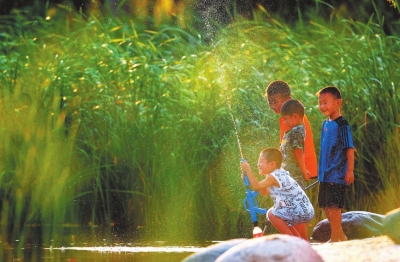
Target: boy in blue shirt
column 336, row 160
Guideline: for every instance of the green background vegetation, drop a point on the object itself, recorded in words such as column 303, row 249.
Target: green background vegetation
column 124, row 129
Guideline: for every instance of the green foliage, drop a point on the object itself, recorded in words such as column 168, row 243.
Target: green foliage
column 107, row 123
column 356, row 57
column 126, row 101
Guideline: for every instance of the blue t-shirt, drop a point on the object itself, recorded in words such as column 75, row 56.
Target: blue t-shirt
column 336, row 138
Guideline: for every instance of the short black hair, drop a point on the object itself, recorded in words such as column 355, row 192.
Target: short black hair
column 273, row 154
column 333, row 90
column 291, row 107
column 278, row 87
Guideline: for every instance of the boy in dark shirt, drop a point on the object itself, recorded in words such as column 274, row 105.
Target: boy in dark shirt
column 336, row 160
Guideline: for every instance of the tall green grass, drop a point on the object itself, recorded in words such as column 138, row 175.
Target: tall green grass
column 126, row 101
column 358, row 58
column 106, row 123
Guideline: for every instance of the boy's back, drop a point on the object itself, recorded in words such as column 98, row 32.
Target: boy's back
column 293, row 138
column 290, row 201
column 310, row 157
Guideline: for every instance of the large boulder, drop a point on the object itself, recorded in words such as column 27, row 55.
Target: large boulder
column 271, row 248
column 211, row 253
column 355, row 224
column 391, row 225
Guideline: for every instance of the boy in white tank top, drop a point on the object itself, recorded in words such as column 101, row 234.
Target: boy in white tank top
column 291, row 207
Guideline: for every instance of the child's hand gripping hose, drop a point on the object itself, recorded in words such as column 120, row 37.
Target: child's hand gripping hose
column 250, row 204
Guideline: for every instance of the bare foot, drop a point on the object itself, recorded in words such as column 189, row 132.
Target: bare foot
column 337, row 240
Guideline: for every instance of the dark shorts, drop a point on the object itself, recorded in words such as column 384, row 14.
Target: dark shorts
column 331, row 195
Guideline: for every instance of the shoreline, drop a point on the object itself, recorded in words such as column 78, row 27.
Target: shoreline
column 380, row 248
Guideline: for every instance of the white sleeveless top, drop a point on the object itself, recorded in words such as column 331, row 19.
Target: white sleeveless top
column 290, row 201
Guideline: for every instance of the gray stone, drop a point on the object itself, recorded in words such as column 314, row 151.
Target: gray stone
column 391, row 225
column 355, row 224
column 271, row 248
column 211, row 253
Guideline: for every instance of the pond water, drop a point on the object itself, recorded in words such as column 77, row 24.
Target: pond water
column 148, row 252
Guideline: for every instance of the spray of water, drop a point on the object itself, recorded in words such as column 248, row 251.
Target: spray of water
column 221, row 80
column 235, row 126
column 209, row 14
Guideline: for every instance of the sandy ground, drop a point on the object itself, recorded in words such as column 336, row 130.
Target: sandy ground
column 370, row 249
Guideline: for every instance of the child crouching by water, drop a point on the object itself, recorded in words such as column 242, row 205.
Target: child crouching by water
column 291, row 204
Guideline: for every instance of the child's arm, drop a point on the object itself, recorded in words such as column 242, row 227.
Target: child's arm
column 349, row 177
column 298, row 152
column 262, row 186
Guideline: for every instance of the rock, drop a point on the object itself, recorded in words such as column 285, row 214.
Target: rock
column 271, row 248
column 391, row 225
column 213, row 252
column 356, row 225
column 374, row 249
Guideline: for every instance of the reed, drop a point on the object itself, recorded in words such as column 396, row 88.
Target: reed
column 125, row 131
column 358, row 58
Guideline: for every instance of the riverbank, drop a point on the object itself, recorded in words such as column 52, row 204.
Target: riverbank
column 370, row 249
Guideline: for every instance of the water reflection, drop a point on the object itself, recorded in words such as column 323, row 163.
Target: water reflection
column 92, row 252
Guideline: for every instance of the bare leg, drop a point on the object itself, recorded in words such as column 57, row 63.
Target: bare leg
column 281, row 225
column 294, row 232
column 334, row 216
column 302, row 230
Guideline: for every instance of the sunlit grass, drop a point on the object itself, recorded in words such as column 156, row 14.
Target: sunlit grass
column 107, row 123
column 356, row 57
column 126, row 97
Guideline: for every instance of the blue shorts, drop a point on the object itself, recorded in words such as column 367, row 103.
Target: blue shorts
column 331, row 195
